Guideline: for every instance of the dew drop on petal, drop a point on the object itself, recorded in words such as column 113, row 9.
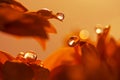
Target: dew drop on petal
column 30, row 55
column 60, row 16
column 107, row 27
column 44, row 12
column 27, row 57
column 98, row 29
column 84, row 34
column 73, row 41
column 41, row 64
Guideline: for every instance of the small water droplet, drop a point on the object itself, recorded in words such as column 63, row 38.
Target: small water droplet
column 98, row 29
column 41, row 64
column 73, row 41
column 45, row 9
column 31, row 56
column 84, row 34
column 107, row 26
column 60, row 16
column 106, row 29
column 28, row 56
column 46, row 13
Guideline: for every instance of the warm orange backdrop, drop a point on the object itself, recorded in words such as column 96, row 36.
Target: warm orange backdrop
column 79, row 14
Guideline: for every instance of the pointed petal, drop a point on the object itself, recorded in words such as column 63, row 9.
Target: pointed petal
column 41, row 41
column 5, row 56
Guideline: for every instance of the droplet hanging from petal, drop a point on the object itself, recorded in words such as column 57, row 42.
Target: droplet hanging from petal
column 60, row 16
column 73, row 41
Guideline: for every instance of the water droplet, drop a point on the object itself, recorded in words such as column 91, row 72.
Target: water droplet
column 98, row 29
column 31, row 56
column 106, row 29
column 45, row 9
column 27, row 57
column 46, row 13
column 41, row 64
column 107, row 26
column 84, row 34
column 73, row 41
column 60, row 16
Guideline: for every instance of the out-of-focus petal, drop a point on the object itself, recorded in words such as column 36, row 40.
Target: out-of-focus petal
column 101, row 43
column 90, row 56
column 20, row 23
column 40, row 73
column 41, row 41
column 65, row 72
column 50, row 29
column 8, row 14
column 5, row 57
column 61, row 56
column 14, row 4
column 27, row 25
column 17, row 71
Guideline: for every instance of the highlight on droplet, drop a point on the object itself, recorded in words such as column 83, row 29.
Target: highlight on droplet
column 73, row 41
column 98, row 29
column 60, row 16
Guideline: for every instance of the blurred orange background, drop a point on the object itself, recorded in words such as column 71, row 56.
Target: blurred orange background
column 79, row 14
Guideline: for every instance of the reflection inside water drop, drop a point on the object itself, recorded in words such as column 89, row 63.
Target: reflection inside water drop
column 73, row 41
column 60, row 16
column 30, row 55
column 99, row 30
